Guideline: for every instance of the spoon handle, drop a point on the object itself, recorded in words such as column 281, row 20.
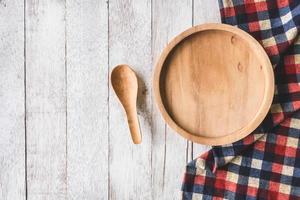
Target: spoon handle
column 134, row 127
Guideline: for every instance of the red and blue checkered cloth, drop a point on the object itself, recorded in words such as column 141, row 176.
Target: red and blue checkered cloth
column 265, row 164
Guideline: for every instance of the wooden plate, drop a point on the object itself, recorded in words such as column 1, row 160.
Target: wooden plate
column 213, row 84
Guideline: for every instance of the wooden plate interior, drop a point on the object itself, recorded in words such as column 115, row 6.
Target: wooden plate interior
column 213, row 84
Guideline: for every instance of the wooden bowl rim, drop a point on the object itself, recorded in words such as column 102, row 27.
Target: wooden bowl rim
column 265, row 104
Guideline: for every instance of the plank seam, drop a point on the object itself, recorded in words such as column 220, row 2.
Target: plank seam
column 165, row 155
column 66, row 101
column 108, row 107
column 187, row 152
column 193, row 12
column 151, row 96
column 25, row 101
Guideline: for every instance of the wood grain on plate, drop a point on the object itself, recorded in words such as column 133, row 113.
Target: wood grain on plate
column 214, row 84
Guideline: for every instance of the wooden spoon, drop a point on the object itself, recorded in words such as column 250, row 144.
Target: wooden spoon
column 125, row 84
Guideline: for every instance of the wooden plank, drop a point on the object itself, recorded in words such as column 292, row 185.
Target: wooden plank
column 12, row 126
column 46, row 99
column 87, row 102
column 169, row 153
column 205, row 11
column 130, row 42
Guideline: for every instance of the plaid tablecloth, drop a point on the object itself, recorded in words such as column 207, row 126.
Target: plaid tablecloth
column 265, row 164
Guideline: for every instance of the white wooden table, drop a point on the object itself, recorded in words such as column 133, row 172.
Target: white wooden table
column 63, row 134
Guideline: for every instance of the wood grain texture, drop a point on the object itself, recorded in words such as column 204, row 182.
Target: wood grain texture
column 169, row 18
column 12, row 126
column 87, row 99
column 130, row 42
column 46, row 99
column 224, row 92
column 205, row 11
column 125, row 84
column 78, row 143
